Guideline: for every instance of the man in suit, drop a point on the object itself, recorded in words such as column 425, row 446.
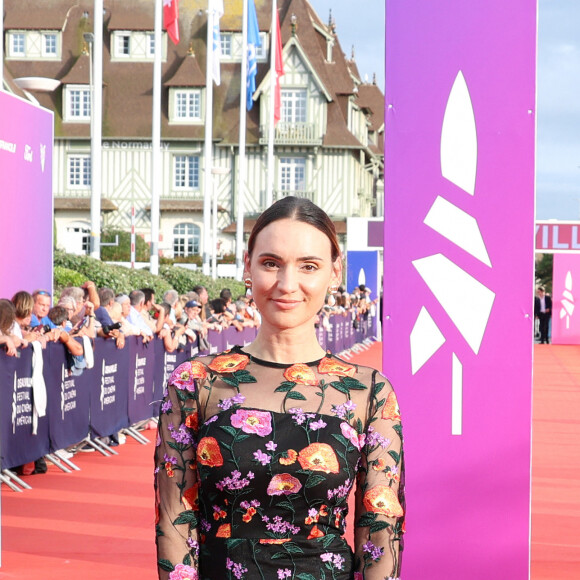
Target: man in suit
column 543, row 312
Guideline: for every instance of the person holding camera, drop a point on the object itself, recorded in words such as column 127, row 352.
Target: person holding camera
column 108, row 328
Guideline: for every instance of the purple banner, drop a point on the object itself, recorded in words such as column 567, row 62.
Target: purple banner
column 26, row 135
column 68, row 399
column 565, row 314
column 458, row 312
column 141, row 373
column 109, row 394
column 19, row 445
column 363, row 268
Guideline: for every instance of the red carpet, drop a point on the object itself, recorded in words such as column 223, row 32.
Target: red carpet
column 97, row 524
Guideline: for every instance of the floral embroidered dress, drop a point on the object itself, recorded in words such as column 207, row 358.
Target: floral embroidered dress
column 255, row 462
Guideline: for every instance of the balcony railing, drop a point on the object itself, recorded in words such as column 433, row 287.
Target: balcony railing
column 292, row 134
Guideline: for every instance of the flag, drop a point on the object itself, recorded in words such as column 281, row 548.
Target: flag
column 217, row 7
column 279, row 66
column 171, row 19
column 253, row 43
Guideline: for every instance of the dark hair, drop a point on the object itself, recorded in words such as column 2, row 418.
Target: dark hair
column 58, row 315
column 226, row 294
column 301, row 210
column 149, row 293
column 198, row 289
column 218, row 305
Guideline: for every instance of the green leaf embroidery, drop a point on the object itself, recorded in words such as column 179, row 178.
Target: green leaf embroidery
column 296, row 396
column 354, row 384
column 378, row 526
column 187, row 517
column 293, row 548
column 366, row 519
column 314, row 480
column 395, row 456
column 231, row 430
column 340, row 387
column 378, row 388
column 286, row 386
column 165, row 565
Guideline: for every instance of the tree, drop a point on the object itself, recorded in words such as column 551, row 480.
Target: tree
column 544, row 269
column 122, row 251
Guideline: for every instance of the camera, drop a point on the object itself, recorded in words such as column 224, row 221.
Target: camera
column 44, row 328
column 107, row 328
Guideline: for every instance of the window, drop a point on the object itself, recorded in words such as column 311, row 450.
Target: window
column 49, row 44
column 78, row 238
column 226, row 44
column 123, row 44
column 79, row 171
column 151, row 45
column 293, row 174
column 262, row 51
column 17, row 44
column 186, row 239
column 188, row 105
column 186, row 172
column 78, row 103
column 294, row 105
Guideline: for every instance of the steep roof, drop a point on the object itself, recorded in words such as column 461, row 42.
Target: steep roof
column 127, row 85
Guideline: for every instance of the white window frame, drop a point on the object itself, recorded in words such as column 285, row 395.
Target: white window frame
column 292, row 174
column 150, row 45
column 262, row 51
column 20, row 35
column 186, row 239
column 84, row 103
column 294, row 105
column 186, row 172
column 120, row 38
column 45, row 37
column 79, row 171
column 187, row 106
column 227, row 45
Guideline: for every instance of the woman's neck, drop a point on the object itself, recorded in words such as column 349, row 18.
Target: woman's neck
column 289, row 346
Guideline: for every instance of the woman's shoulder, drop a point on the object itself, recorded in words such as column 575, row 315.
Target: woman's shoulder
column 365, row 374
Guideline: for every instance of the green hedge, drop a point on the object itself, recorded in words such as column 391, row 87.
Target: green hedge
column 73, row 270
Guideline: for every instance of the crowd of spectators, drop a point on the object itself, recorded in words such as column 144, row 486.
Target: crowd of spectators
column 86, row 312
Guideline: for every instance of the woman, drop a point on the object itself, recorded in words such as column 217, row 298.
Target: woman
column 259, row 447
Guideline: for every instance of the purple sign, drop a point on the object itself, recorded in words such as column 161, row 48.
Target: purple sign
column 26, row 214
column 458, row 311
column 565, row 315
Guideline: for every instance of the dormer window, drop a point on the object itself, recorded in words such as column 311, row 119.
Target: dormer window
column 77, row 103
column 185, row 105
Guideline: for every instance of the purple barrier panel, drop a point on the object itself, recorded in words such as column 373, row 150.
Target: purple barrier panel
column 109, row 391
column 231, row 337
column 159, row 377
column 19, row 445
column 337, row 321
column 141, row 378
column 216, row 341
column 68, row 399
column 331, row 336
column 321, row 335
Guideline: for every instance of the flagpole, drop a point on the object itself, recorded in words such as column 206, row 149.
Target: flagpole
column 156, row 141
column 208, row 153
column 96, row 129
column 271, row 112
column 242, row 152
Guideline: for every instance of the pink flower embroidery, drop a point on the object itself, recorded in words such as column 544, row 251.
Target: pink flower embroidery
column 283, row 484
column 183, row 572
column 183, row 377
column 352, row 435
column 250, row 421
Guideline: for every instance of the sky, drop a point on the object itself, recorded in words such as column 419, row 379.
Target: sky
column 558, row 89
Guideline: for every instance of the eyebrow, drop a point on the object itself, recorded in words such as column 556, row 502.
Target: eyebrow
column 277, row 257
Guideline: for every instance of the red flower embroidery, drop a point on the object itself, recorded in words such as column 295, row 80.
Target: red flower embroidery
column 391, row 408
column 229, row 363
column 315, row 533
column 331, row 366
column 383, row 500
column 192, row 421
column 301, row 374
column 283, row 484
column 276, row 541
column 208, row 452
column 319, row 457
column 290, row 458
column 224, row 531
column 190, row 499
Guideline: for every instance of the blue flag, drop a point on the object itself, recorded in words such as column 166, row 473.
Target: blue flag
column 253, row 43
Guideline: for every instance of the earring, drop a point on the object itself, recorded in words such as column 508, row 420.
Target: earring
column 248, row 285
column 332, row 290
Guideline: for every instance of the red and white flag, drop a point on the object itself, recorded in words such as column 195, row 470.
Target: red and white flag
column 171, row 19
column 279, row 66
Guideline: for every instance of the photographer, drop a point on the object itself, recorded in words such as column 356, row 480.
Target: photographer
column 108, row 328
column 59, row 317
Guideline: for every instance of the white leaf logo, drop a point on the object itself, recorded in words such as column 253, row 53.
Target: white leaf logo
column 567, row 300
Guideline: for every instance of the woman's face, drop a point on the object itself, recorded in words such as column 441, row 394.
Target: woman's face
column 291, row 269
